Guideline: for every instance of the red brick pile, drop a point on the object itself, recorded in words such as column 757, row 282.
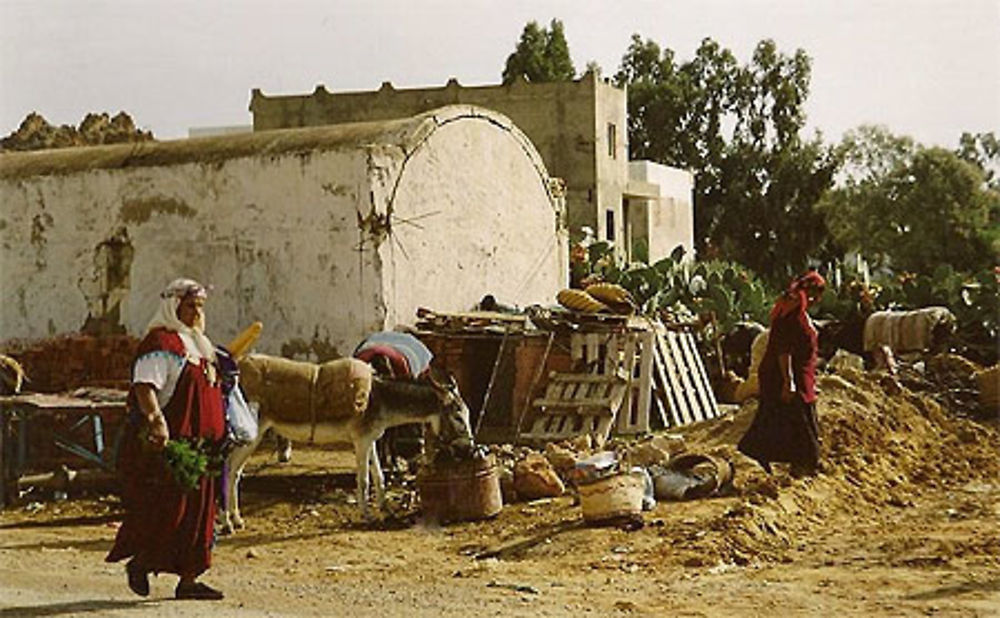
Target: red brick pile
column 70, row 361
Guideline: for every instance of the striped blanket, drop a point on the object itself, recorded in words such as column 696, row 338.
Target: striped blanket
column 408, row 355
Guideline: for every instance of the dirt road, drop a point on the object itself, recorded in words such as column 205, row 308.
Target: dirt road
column 905, row 521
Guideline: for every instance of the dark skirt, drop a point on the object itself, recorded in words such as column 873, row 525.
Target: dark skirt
column 166, row 528
column 783, row 432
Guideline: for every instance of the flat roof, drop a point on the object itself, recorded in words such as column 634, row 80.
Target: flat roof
column 212, row 149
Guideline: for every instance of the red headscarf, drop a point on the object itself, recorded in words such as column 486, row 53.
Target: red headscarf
column 794, row 298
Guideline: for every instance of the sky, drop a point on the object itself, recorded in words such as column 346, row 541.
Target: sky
column 929, row 69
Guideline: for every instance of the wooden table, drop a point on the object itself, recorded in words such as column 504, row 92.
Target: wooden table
column 42, row 432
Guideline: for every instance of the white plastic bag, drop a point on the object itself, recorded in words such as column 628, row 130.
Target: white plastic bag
column 240, row 417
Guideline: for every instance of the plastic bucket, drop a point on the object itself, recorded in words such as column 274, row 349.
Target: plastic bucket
column 463, row 491
column 612, row 497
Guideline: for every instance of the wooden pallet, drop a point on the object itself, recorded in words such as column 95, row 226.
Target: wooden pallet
column 637, row 363
column 680, row 374
column 667, row 384
column 629, row 355
column 577, row 404
column 660, row 373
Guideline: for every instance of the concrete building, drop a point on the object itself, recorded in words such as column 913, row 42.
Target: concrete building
column 579, row 128
column 659, row 208
column 233, row 129
column 324, row 234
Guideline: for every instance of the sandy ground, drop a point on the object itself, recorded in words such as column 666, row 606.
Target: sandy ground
column 904, row 521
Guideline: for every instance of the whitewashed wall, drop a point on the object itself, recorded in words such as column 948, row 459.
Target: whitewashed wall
column 287, row 237
column 472, row 215
column 263, row 231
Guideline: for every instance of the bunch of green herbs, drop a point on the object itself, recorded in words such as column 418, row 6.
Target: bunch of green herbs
column 190, row 460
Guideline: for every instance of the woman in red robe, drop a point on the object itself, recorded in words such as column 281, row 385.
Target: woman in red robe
column 785, row 428
column 175, row 395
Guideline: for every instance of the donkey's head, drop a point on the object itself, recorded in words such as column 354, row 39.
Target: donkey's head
column 452, row 425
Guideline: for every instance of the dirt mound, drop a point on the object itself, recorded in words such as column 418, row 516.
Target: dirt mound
column 35, row 133
column 882, row 449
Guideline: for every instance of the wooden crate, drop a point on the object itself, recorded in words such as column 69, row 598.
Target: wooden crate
column 577, row 404
column 499, row 375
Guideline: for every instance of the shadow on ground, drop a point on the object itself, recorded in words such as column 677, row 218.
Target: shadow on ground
column 97, row 608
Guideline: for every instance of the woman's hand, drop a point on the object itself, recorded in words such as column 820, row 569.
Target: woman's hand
column 158, row 433
column 787, row 392
column 788, row 380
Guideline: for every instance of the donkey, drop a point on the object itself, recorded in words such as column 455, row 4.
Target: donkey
column 340, row 402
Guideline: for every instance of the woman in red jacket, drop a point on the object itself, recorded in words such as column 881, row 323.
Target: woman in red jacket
column 785, row 427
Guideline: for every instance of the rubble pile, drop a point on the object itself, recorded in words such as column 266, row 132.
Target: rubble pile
column 948, row 378
column 887, row 443
column 35, row 133
column 882, row 449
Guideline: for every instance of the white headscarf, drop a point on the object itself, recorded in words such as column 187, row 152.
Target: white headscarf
column 196, row 344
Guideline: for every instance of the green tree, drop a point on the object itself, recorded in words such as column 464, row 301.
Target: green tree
column 541, row 55
column 911, row 207
column 982, row 150
column 594, row 67
column 737, row 127
column 856, row 209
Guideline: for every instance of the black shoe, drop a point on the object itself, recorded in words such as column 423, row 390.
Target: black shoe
column 799, row 471
column 138, row 578
column 766, row 465
column 197, row 590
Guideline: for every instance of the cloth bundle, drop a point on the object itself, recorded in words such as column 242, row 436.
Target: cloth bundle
column 306, row 392
column 408, row 355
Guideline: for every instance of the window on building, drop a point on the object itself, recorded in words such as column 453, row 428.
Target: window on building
column 627, row 239
column 612, row 140
column 609, row 222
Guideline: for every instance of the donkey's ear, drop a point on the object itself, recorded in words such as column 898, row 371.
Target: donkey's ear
column 443, row 378
column 434, row 376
